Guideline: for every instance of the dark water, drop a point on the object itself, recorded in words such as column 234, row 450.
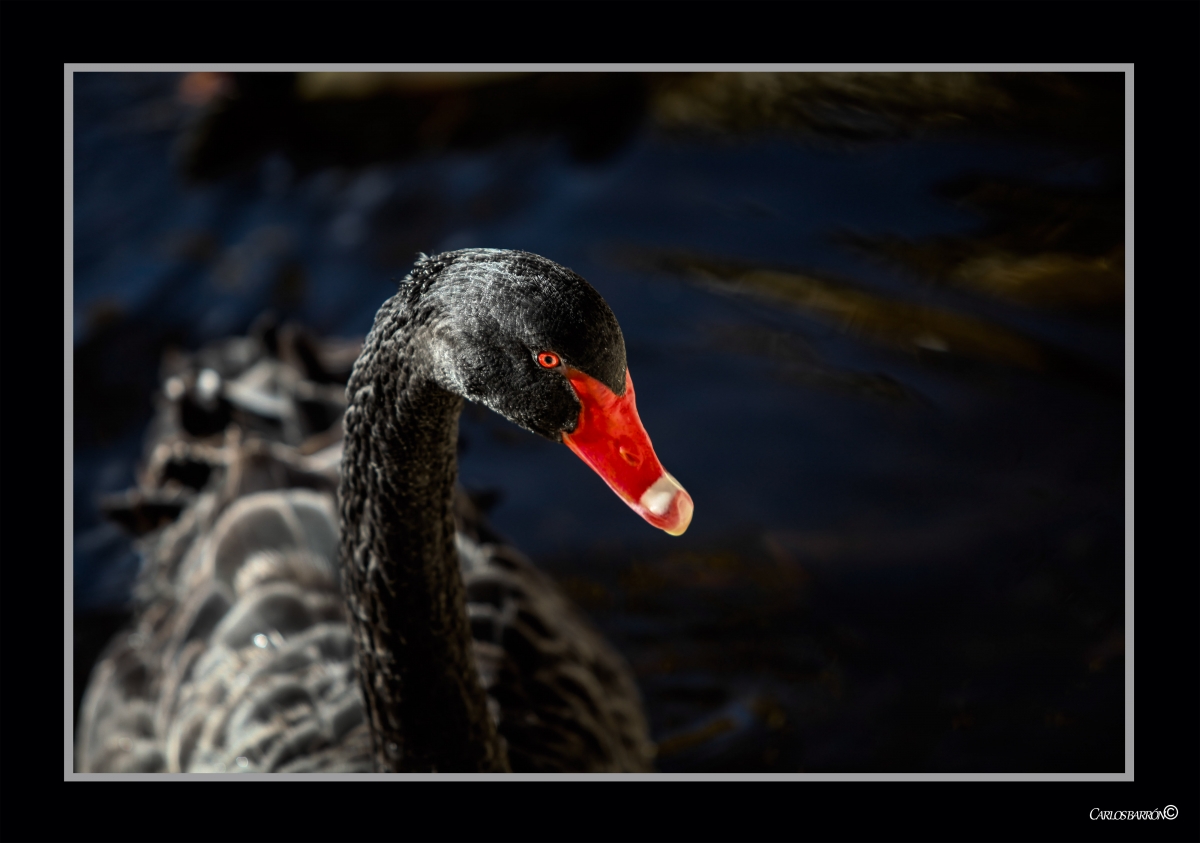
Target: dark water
column 888, row 371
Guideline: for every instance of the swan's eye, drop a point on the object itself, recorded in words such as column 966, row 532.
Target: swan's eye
column 548, row 359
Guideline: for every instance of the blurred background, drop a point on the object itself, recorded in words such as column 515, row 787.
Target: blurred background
column 876, row 324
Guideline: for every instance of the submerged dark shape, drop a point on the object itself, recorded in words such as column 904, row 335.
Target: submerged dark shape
column 246, row 654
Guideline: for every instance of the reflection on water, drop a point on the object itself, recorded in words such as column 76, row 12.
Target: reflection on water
column 1042, row 245
column 862, row 314
column 876, row 322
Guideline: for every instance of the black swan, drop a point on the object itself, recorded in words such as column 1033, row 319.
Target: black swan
column 249, row 652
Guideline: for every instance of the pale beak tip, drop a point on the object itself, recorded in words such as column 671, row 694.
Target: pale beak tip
column 684, row 508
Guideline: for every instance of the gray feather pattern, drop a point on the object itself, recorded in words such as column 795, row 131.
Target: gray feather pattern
column 240, row 657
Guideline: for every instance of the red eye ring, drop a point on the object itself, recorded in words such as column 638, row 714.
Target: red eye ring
column 548, row 359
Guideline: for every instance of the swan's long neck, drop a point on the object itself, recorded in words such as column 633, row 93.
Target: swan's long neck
column 404, row 590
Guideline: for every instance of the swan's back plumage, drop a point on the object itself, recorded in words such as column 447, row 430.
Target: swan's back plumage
column 240, row 658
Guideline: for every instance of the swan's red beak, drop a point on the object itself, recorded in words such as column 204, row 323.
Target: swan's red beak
column 610, row 438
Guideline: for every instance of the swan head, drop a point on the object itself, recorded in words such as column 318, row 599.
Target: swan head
column 534, row 342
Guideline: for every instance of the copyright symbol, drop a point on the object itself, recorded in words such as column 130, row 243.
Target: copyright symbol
column 1170, row 812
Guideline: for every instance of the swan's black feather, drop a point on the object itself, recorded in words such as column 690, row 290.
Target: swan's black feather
column 240, row 657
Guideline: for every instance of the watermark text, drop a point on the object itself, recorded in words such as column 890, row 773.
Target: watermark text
column 1168, row 813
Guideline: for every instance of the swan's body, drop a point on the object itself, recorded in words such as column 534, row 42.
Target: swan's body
column 249, row 653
